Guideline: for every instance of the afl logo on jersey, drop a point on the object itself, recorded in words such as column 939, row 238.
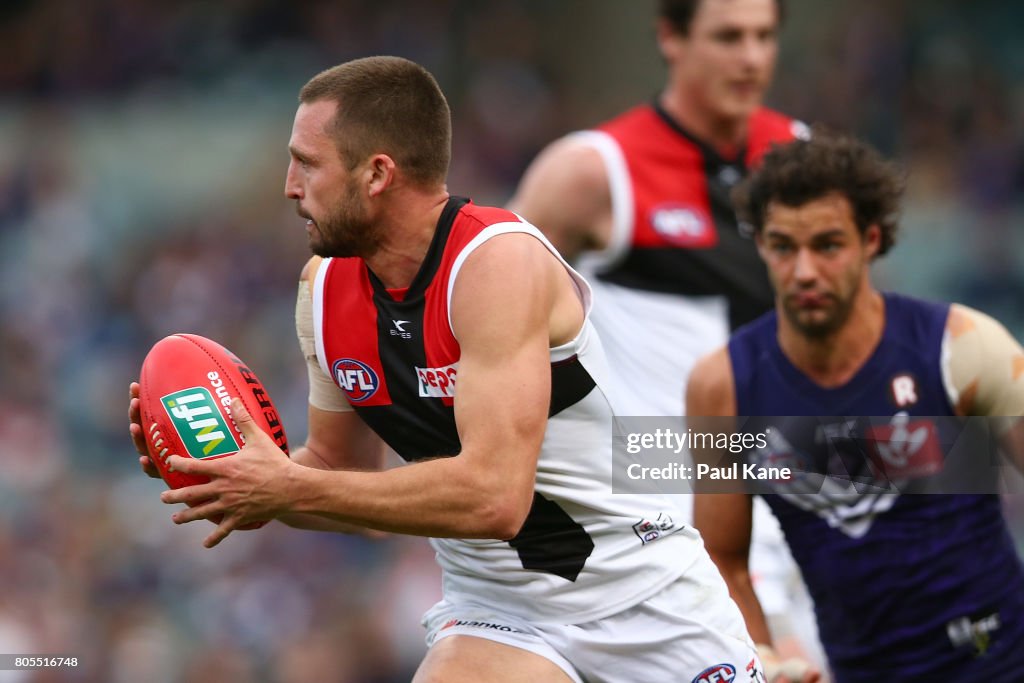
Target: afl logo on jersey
column 684, row 226
column 719, row 673
column 356, row 378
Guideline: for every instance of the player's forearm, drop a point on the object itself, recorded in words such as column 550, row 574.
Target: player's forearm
column 1011, row 441
column 317, row 523
column 741, row 588
column 309, row 458
column 443, row 498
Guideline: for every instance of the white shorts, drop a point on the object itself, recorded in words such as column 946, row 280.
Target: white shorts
column 689, row 631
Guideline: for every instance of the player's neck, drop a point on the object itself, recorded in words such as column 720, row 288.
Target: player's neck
column 724, row 134
column 409, row 223
column 833, row 360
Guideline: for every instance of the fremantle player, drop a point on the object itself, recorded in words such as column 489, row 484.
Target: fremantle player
column 641, row 205
column 906, row 587
column 456, row 334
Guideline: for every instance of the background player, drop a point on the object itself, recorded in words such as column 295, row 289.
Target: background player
column 643, row 203
column 547, row 576
column 914, row 587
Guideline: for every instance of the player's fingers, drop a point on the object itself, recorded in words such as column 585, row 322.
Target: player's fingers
column 193, row 495
column 207, row 509
column 220, row 533
column 797, row 670
column 244, row 421
column 133, row 390
column 148, row 467
column 138, row 438
column 176, row 463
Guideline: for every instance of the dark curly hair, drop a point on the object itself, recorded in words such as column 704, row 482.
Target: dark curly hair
column 680, row 13
column 804, row 170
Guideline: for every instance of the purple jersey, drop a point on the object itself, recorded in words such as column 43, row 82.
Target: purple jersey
column 921, row 587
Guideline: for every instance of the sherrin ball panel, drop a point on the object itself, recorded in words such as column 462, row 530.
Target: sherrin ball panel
column 186, row 386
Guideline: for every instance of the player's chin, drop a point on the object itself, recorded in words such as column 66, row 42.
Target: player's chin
column 740, row 102
column 816, row 323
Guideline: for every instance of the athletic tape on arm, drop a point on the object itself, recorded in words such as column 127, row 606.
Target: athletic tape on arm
column 323, row 392
column 982, row 365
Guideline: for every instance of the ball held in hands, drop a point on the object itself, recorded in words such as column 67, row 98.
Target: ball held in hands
column 187, row 384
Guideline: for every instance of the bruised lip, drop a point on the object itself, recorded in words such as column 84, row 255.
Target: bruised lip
column 810, row 300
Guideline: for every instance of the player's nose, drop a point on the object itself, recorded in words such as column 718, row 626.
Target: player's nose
column 805, row 268
column 292, row 184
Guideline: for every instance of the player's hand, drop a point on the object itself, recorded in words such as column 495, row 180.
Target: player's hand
column 246, row 488
column 136, row 431
column 791, row 670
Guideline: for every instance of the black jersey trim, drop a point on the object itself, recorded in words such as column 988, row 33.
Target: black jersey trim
column 712, row 157
column 731, row 270
column 551, row 541
column 416, row 427
column 432, row 261
column 570, row 383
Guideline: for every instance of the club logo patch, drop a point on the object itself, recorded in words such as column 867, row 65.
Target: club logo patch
column 905, row 448
column 356, row 379
column 199, row 424
column 903, row 390
column 684, row 226
column 719, row 673
column 648, row 530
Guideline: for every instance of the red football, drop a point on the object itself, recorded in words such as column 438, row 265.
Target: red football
column 186, row 387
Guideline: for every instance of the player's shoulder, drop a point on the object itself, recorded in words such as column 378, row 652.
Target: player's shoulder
column 639, row 117
column 570, row 171
column 486, row 216
column 484, row 232
column 310, row 269
column 774, row 125
column 964, row 320
column 710, row 389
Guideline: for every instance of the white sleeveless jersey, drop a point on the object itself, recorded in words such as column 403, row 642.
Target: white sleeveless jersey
column 583, row 552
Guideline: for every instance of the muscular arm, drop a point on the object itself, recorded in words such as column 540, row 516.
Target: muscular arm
column 983, row 368
column 724, row 519
column 565, row 193
column 500, row 409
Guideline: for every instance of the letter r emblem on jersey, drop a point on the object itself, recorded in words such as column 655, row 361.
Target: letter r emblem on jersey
column 903, row 390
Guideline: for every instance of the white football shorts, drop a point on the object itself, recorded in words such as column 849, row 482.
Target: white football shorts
column 691, row 631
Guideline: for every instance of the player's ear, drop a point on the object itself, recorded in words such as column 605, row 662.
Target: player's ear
column 669, row 39
column 872, row 239
column 759, row 243
column 380, row 173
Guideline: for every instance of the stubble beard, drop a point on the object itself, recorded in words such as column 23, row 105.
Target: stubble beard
column 346, row 231
column 823, row 328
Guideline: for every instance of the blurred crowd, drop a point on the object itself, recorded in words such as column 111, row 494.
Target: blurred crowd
column 142, row 156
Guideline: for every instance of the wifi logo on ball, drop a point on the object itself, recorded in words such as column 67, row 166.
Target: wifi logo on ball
column 356, row 378
column 199, row 424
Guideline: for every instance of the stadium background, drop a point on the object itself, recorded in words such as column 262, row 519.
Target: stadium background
column 142, row 157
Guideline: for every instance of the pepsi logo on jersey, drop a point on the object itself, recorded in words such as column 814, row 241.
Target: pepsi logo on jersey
column 356, row 379
column 437, row 382
column 684, row 226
